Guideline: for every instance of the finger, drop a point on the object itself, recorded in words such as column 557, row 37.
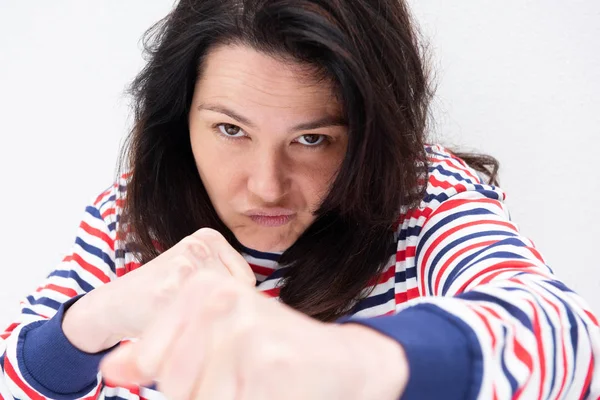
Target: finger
column 231, row 259
column 120, row 369
column 219, row 380
column 189, row 357
column 236, row 264
column 145, row 356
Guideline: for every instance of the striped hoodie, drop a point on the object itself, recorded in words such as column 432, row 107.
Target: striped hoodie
column 479, row 313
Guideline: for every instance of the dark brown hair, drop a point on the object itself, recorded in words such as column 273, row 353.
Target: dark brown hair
column 372, row 51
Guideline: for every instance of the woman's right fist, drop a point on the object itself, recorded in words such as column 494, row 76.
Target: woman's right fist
column 124, row 307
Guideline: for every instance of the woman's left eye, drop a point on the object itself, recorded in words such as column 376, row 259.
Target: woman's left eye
column 312, row 140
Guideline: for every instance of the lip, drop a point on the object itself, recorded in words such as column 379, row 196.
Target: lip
column 270, row 212
column 271, row 217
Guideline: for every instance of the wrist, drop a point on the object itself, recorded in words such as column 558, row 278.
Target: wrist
column 385, row 365
column 86, row 325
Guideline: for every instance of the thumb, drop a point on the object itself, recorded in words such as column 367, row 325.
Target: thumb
column 121, row 368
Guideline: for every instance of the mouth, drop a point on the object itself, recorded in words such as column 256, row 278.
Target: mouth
column 273, row 217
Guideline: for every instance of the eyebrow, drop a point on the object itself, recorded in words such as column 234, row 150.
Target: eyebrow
column 326, row 121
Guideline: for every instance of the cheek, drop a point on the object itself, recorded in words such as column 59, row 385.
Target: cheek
column 216, row 174
column 318, row 180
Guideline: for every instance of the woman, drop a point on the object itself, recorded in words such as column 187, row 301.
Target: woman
column 283, row 231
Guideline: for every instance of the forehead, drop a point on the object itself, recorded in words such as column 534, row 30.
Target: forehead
column 251, row 78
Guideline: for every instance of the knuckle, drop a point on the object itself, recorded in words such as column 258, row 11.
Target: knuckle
column 222, row 300
column 207, row 234
column 184, row 267
column 195, row 247
column 271, row 357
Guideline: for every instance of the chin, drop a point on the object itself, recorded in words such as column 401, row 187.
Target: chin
column 266, row 246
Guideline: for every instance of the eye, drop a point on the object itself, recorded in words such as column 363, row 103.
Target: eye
column 230, row 130
column 312, row 140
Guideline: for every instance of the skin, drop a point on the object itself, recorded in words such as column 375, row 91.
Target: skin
column 204, row 330
column 246, row 111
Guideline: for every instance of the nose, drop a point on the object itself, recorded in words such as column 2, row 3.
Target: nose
column 267, row 177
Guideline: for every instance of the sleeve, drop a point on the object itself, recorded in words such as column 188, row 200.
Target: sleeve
column 492, row 320
column 36, row 359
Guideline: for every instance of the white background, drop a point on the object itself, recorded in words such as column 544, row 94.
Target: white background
column 519, row 80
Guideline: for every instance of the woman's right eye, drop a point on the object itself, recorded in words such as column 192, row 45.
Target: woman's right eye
column 231, row 131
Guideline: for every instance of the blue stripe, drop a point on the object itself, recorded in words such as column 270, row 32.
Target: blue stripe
column 481, row 189
column 458, row 176
column 278, row 273
column 71, row 274
column 111, row 198
column 261, row 254
column 574, row 331
column 410, row 231
column 373, row 301
column 462, row 265
column 94, row 212
column 442, row 223
column 510, row 308
column 554, row 342
column 500, row 255
column 511, row 379
column 112, row 226
column 559, row 285
column 29, row 311
column 400, row 276
column 55, row 305
column 88, row 248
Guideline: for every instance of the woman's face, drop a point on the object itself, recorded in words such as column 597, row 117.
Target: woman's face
column 268, row 140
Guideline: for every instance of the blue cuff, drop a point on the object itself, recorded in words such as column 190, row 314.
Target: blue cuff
column 444, row 355
column 51, row 364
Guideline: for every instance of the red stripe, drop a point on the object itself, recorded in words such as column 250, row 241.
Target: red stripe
column 488, row 327
column 131, row 266
column 514, row 264
column 88, row 267
column 413, row 293
column 95, row 395
column 401, row 298
column 384, row 277
column 449, row 232
column 102, row 196
column 409, row 252
column 60, row 289
column 98, row 234
column 11, row 327
column 14, row 376
column 110, row 211
column 274, row 292
column 259, row 269
column 454, row 168
column 436, row 183
column 454, row 257
column 588, row 377
column 523, row 355
column 562, row 342
column 540, row 345
column 591, row 316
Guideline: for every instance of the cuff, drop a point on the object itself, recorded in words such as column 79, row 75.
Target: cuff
column 444, row 355
column 51, row 364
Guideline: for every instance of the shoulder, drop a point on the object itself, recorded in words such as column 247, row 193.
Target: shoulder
column 449, row 175
column 108, row 205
